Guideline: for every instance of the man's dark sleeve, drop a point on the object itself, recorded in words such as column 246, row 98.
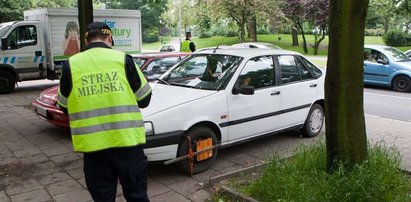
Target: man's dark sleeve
column 192, row 47
column 134, row 81
column 65, row 83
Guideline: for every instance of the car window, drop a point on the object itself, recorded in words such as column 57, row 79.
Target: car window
column 139, row 61
column 205, row 71
column 22, row 36
column 375, row 56
column 368, row 57
column 396, row 54
column 258, row 72
column 304, row 73
column 312, row 68
column 289, row 70
column 161, row 64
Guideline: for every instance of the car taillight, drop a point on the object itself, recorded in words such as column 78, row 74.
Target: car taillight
column 47, row 99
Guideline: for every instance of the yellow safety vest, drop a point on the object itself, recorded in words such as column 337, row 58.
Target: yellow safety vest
column 102, row 107
column 185, row 46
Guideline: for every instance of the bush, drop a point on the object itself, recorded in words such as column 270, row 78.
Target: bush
column 262, row 31
column 304, row 177
column 204, row 35
column 395, row 38
column 231, row 33
column 151, row 38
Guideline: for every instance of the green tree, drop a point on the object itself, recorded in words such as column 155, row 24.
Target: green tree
column 150, row 12
column 345, row 124
column 381, row 12
column 243, row 12
column 187, row 12
column 12, row 10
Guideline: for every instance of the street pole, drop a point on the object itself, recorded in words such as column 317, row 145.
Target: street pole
column 179, row 21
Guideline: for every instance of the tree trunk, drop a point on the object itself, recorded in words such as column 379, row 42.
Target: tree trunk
column 253, row 28
column 294, row 33
column 386, row 24
column 241, row 33
column 346, row 137
column 318, row 42
column 85, row 17
column 303, row 35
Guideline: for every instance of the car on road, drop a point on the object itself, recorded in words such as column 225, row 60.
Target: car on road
column 408, row 53
column 256, row 45
column 151, row 64
column 169, row 48
column 218, row 98
column 387, row 66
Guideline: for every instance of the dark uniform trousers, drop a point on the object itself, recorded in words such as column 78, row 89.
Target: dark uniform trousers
column 102, row 169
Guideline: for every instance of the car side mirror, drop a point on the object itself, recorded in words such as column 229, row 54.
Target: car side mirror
column 4, row 44
column 244, row 89
column 381, row 61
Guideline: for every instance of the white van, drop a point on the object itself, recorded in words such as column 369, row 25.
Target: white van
column 37, row 47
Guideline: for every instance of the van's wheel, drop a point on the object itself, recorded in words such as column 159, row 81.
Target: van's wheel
column 7, row 82
column 314, row 122
column 402, row 83
column 197, row 134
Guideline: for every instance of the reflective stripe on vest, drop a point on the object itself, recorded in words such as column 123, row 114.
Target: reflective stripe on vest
column 145, row 87
column 185, row 46
column 102, row 106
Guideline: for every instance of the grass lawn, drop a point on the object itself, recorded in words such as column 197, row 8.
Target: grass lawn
column 304, row 177
column 281, row 40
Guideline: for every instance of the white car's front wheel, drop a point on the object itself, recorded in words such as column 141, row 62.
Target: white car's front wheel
column 201, row 138
column 314, row 122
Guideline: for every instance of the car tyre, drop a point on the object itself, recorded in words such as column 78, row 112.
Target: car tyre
column 196, row 134
column 314, row 122
column 7, row 82
column 402, row 83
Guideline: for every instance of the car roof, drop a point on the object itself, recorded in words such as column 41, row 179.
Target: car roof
column 248, row 52
column 376, row 46
column 160, row 54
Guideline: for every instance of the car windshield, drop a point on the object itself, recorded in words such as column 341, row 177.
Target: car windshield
column 396, row 54
column 205, row 71
column 139, row 61
column 4, row 28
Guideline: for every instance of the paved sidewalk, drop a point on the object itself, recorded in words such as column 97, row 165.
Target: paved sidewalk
column 37, row 162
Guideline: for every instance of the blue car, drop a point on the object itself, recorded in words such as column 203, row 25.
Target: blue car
column 387, row 66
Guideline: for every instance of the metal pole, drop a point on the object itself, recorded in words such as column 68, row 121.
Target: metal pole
column 179, row 21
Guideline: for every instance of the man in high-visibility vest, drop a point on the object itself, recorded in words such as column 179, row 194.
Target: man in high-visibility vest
column 102, row 91
column 187, row 45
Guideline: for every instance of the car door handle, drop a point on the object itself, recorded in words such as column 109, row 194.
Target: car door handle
column 313, row 85
column 275, row 93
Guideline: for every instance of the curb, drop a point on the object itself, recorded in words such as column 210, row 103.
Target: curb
column 237, row 196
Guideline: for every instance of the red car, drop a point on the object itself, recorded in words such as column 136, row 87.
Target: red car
column 151, row 64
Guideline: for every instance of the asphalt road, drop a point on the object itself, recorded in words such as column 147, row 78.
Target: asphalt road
column 387, row 103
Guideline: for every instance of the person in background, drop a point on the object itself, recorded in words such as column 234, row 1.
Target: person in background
column 102, row 91
column 187, row 45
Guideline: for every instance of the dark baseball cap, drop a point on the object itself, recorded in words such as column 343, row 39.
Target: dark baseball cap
column 98, row 29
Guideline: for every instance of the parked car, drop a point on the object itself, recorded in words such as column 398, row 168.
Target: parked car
column 151, row 64
column 387, row 66
column 170, row 48
column 154, row 64
column 256, row 45
column 408, row 53
column 215, row 99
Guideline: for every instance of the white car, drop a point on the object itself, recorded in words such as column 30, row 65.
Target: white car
column 170, row 48
column 256, row 45
column 222, row 97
